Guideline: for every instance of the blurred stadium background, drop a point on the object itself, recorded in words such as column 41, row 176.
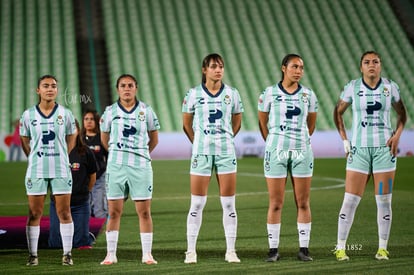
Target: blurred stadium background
column 87, row 44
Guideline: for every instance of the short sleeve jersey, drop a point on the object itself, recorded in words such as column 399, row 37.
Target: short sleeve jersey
column 128, row 138
column 371, row 125
column 287, row 125
column 48, row 156
column 212, row 121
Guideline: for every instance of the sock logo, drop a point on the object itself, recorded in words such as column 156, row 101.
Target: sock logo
column 302, row 232
column 232, row 215
column 386, row 217
column 270, row 236
column 193, row 214
column 342, row 216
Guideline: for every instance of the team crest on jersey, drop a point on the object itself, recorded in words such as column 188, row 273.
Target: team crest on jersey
column 386, row 92
column 227, row 99
column 29, row 184
column 195, row 163
column 267, row 166
column 141, row 116
column 59, row 120
column 305, row 98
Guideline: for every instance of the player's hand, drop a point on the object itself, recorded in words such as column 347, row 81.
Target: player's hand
column 347, row 146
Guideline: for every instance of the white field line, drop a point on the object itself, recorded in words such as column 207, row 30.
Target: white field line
column 336, row 186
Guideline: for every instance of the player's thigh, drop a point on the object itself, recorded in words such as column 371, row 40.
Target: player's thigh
column 140, row 182
column 275, row 163
column 116, row 181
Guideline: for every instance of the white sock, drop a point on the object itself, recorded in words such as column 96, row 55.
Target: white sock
column 304, row 230
column 194, row 219
column 273, row 234
column 384, row 218
column 66, row 231
column 228, row 204
column 146, row 243
column 346, row 218
column 111, row 242
column 32, row 236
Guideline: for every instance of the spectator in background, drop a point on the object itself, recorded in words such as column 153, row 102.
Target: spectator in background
column 287, row 119
column 92, row 136
column 83, row 167
column 373, row 149
column 16, row 143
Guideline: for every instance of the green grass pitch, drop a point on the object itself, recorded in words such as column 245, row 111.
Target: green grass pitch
column 169, row 212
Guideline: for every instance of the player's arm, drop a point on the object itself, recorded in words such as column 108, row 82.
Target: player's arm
column 105, row 140
column 188, row 125
column 71, row 142
column 263, row 120
column 153, row 140
column 311, row 121
column 236, row 123
column 25, row 145
column 339, row 110
column 399, row 107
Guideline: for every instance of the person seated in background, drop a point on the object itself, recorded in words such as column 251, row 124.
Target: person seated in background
column 83, row 167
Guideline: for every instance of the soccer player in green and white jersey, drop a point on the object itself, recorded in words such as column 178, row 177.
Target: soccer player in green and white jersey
column 129, row 132
column 47, row 133
column 212, row 113
column 373, row 150
column 287, row 118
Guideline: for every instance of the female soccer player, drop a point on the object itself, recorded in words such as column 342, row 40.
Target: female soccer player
column 212, row 113
column 129, row 132
column 287, row 118
column 47, row 133
column 373, row 150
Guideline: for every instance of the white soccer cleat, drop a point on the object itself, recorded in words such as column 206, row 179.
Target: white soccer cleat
column 148, row 259
column 231, row 257
column 109, row 260
column 190, row 257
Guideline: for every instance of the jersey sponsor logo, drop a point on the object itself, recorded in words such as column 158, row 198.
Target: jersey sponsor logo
column 373, row 106
column 48, row 136
column 292, row 111
column 214, row 115
column 129, row 130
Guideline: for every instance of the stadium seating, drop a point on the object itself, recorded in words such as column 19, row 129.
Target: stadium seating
column 163, row 42
column 37, row 37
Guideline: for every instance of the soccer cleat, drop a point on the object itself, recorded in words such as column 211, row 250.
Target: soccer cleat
column 382, row 254
column 109, row 259
column 303, row 255
column 190, row 257
column 341, row 255
column 67, row 259
column 148, row 259
column 32, row 261
column 273, row 255
column 231, row 257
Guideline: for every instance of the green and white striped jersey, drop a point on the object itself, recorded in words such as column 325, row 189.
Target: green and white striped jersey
column 371, row 125
column 212, row 121
column 287, row 125
column 48, row 156
column 128, row 133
